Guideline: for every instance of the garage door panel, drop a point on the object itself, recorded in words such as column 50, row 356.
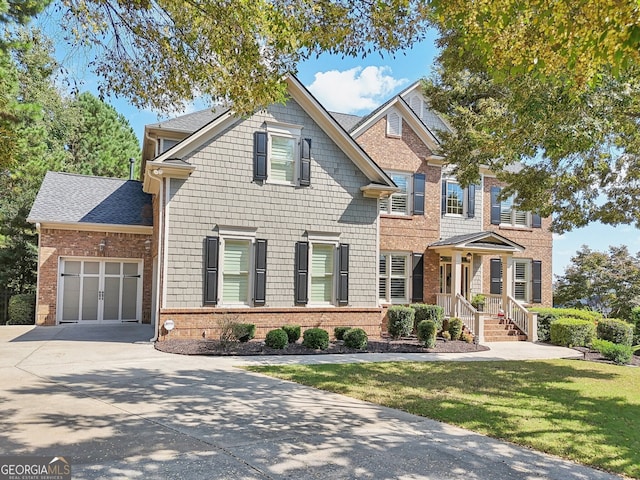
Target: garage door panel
column 90, row 298
column 111, row 298
column 71, row 298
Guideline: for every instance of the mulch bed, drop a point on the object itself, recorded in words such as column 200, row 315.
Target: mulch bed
column 593, row 356
column 257, row 347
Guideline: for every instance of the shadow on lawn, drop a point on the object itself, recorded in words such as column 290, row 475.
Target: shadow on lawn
column 517, row 401
column 174, row 422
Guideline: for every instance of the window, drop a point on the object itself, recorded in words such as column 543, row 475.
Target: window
column 165, row 144
column 398, row 203
column 394, row 277
column 521, row 280
column 510, row 215
column 455, row 199
column 281, row 156
column 322, row 273
column 394, row 124
column 235, row 272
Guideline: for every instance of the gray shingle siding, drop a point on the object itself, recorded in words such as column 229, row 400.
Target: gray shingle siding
column 221, row 191
column 451, row 226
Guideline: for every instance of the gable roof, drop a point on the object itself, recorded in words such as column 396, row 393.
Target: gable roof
column 431, row 119
column 66, row 198
column 313, row 108
column 485, row 242
column 346, row 120
column 189, row 122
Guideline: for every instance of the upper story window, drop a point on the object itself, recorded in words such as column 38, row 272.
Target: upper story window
column 165, row 144
column 398, row 203
column 455, row 198
column 394, row 124
column 282, row 156
column 503, row 212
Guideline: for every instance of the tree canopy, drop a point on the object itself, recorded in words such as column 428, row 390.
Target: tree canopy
column 608, row 282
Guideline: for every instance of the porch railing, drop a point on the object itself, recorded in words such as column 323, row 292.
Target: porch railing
column 469, row 315
column 525, row 320
column 444, row 301
column 492, row 303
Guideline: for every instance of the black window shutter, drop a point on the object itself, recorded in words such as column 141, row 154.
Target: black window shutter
column 536, row 274
column 343, row 279
column 496, row 277
column 302, row 273
column 211, row 270
column 260, row 155
column 471, row 201
column 305, row 163
column 419, row 180
column 495, row 206
column 536, row 220
column 418, row 278
column 260, row 277
column 444, row 197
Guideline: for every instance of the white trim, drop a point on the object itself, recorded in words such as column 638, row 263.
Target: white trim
column 409, row 193
column 286, row 134
column 408, row 275
column 166, row 185
column 95, row 227
column 281, row 128
column 250, row 274
column 394, row 129
column 239, row 232
column 334, row 274
column 323, row 237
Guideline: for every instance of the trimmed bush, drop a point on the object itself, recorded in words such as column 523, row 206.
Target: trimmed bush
column 455, row 328
column 316, row 338
column 339, row 332
column 244, row 331
column 277, row 339
column 446, row 336
column 428, row 312
column 546, row 316
column 467, row 337
column 400, row 321
column 616, row 331
column 617, row 353
column 22, row 309
column 427, row 330
column 570, row 332
column 292, row 331
column 356, row 338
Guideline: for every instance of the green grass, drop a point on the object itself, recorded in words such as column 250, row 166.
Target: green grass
column 587, row 412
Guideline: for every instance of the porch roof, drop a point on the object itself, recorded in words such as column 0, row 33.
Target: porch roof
column 479, row 242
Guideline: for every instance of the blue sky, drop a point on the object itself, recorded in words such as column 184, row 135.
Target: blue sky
column 358, row 86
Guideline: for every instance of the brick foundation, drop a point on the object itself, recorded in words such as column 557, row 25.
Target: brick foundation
column 204, row 322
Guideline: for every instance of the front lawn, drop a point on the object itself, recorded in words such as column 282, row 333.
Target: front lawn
column 583, row 411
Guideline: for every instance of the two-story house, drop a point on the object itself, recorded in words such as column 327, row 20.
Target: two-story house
column 290, row 215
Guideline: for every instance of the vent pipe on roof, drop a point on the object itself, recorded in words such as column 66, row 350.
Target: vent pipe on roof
column 131, row 167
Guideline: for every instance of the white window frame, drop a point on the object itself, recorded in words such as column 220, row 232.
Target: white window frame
column 288, row 131
column 394, row 114
column 463, row 199
column 238, row 234
column 526, row 281
column 513, row 214
column 388, row 254
column 324, row 238
column 161, row 146
column 385, row 206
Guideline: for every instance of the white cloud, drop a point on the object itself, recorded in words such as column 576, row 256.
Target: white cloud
column 356, row 89
column 558, row 236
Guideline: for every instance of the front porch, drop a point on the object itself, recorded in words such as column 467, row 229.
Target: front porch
column 460, row 280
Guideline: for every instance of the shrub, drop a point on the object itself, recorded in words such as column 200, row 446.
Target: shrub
column 427, row 330
column 22, row 309
column 546, row 316
column 570, row 332
column 467, row 337
column 455, row 328
column 446, row 336
column 617, row 353
column 356, row 338
column 428, row 312
column 244, row 332
column 339, row 332
column 400, row 321
column 635, row 319
column 292, row 331
column 616, row 331
column 277, row 339
column 316, row 338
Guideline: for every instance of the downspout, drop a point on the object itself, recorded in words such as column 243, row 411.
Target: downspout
column 157, row 176
column 38, row 275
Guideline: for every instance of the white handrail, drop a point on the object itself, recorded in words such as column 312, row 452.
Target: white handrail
column 444, row 300
column 518, row 314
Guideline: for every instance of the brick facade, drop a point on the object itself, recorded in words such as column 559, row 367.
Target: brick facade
column 56, row 243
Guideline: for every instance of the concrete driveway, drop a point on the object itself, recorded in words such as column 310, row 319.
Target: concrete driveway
column 103, row 398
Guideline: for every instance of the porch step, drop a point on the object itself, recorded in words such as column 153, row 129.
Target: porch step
column 502, row 330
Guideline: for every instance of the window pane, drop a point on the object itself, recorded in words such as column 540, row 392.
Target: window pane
column 382, row 288
column 398, row 288
column 505, row 210
column 71, row 268
column 399, row 203
column 520, row 291
column 521, row 218
column 90, row 298
column 282, row 158
column 235, row 272
column 383, row 265
column 92, row 268
column 384, row 205
column 322, row 262
column 130, row 269
column 454, row 199
column 520, row 271
column 398, row 265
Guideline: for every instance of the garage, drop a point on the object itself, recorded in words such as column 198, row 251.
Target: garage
column 95, row 290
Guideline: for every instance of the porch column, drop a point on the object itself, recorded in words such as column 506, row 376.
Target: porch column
column 456, row 275
column 507, row 276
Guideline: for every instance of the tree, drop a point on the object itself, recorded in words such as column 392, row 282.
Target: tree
column 608, row 282
column 101, row 140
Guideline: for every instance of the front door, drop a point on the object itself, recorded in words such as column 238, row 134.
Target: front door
column 97, row 290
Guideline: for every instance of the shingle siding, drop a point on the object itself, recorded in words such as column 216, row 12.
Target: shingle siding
column 221, row 191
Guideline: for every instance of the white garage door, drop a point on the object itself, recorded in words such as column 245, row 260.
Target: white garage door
column 96, row 290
